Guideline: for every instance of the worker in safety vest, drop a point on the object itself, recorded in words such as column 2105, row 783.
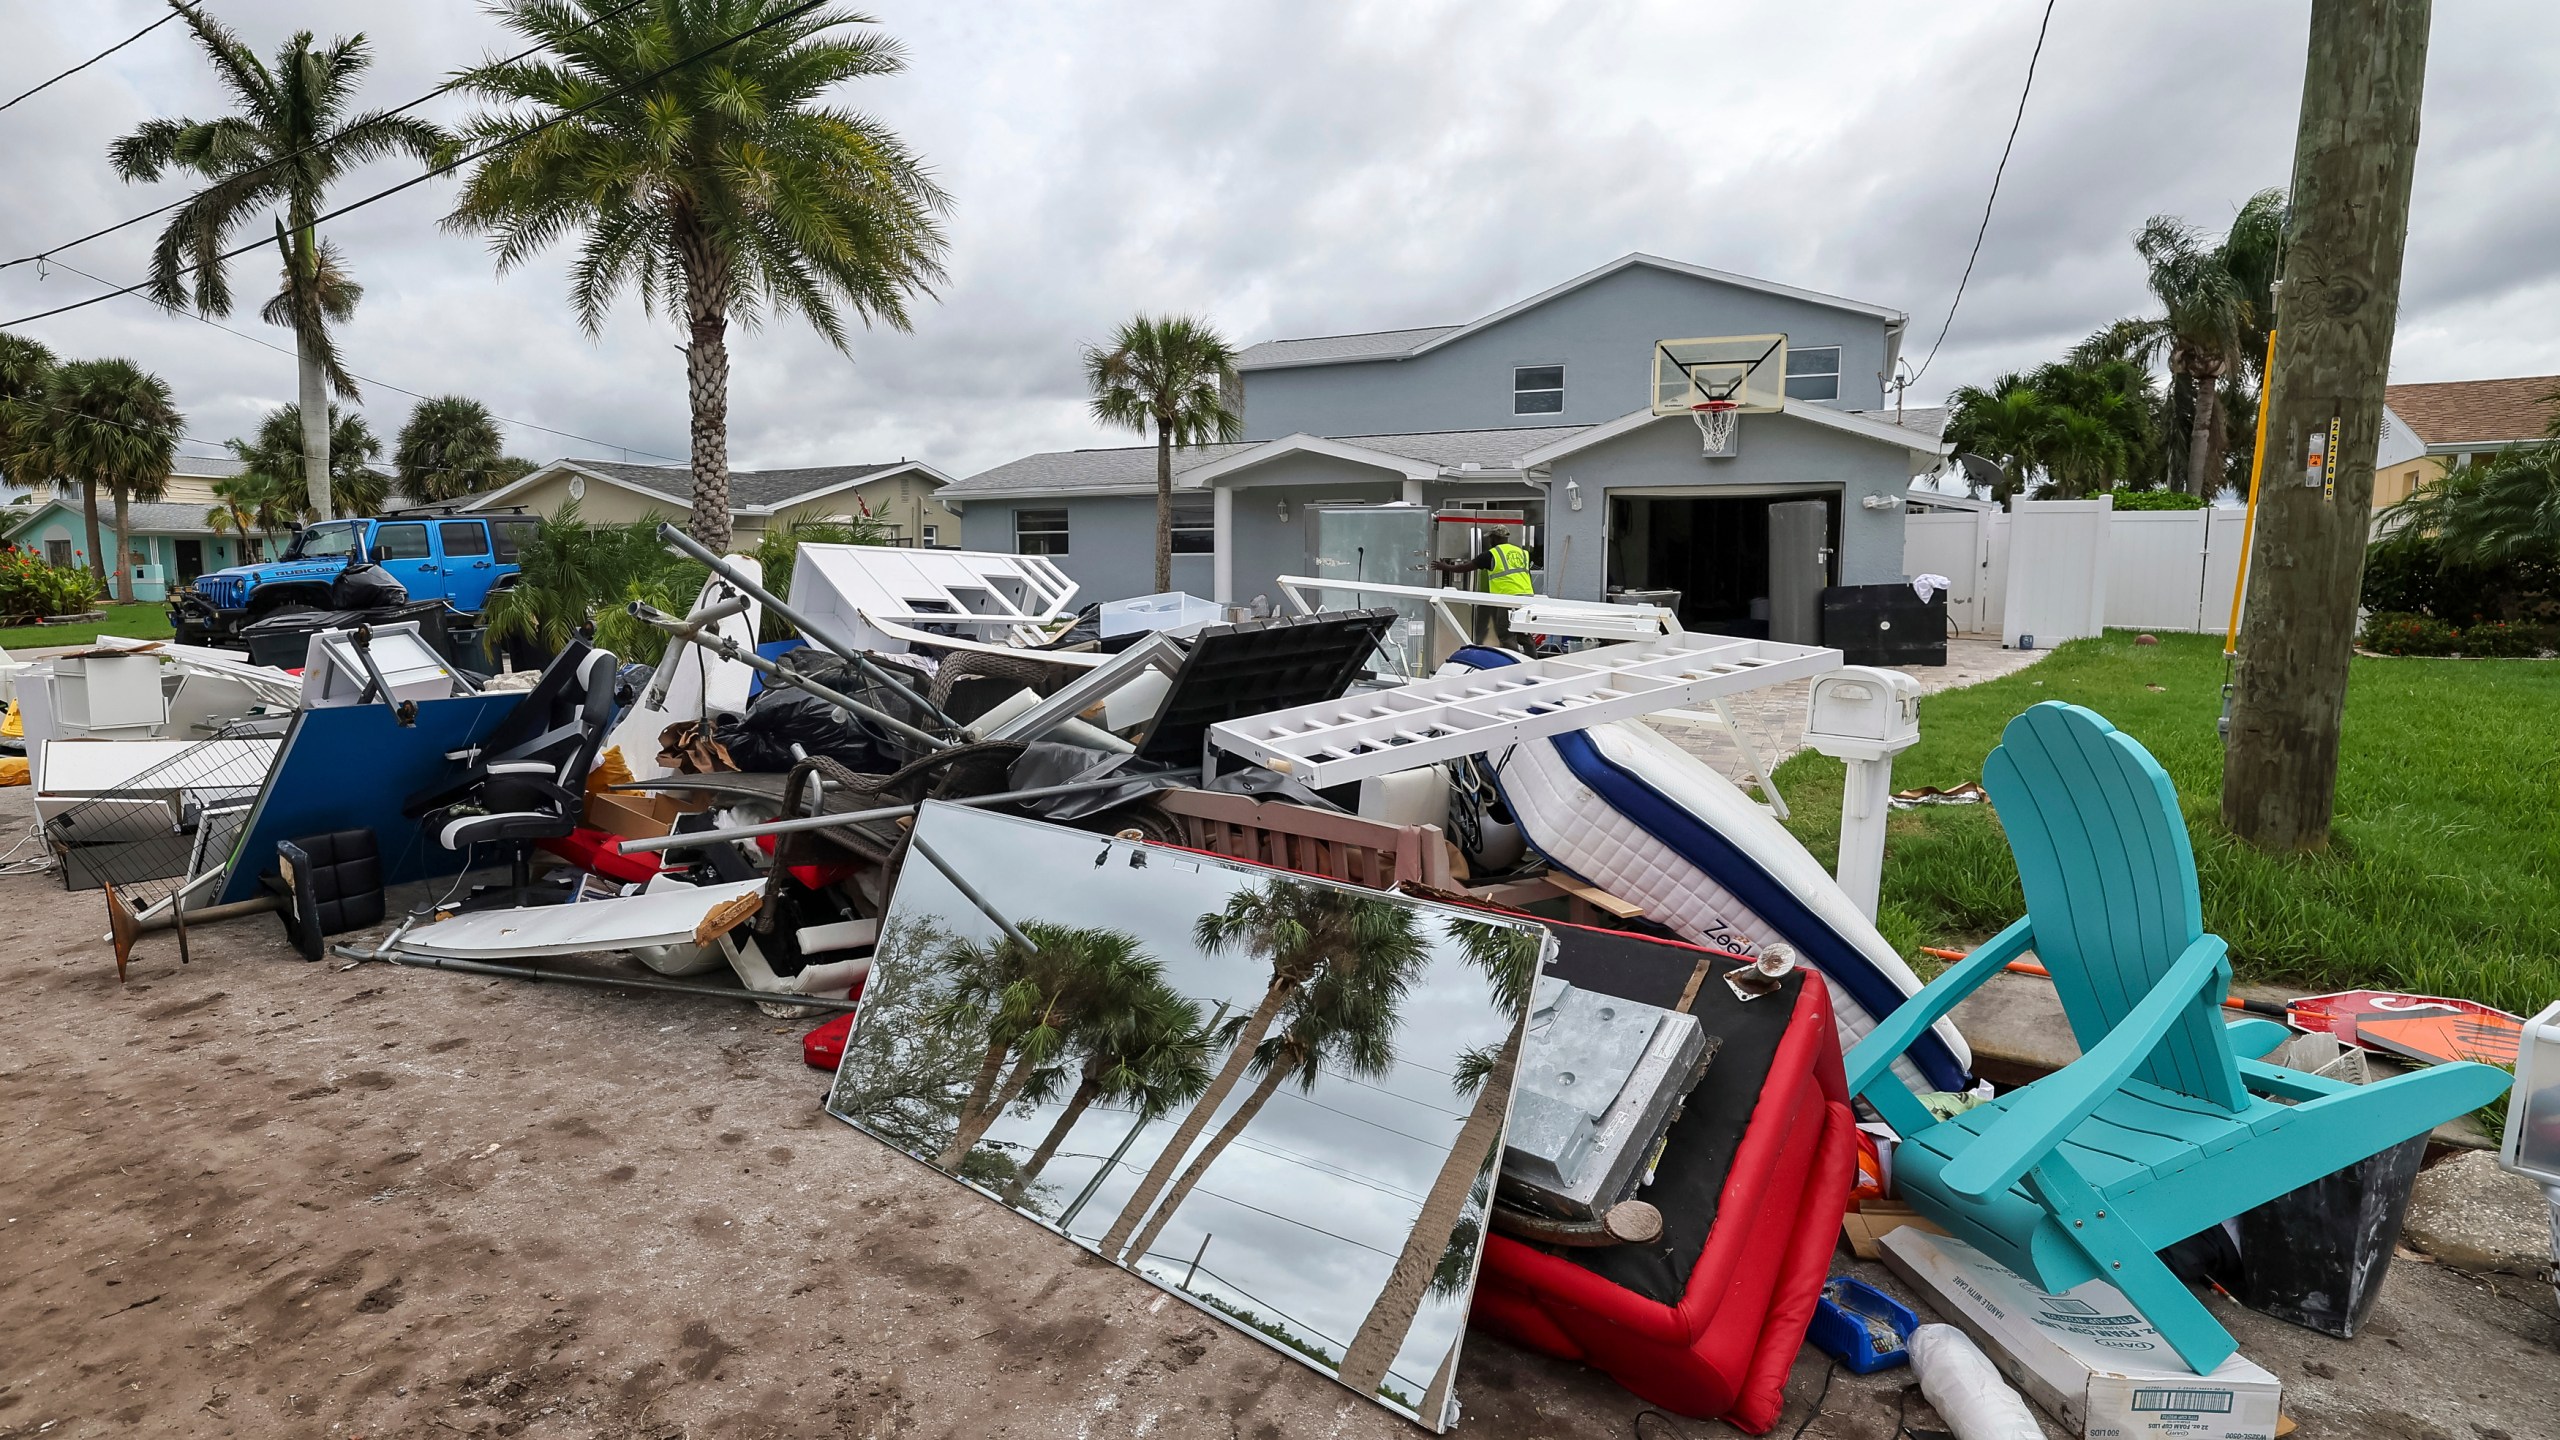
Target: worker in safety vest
column 1506, row 572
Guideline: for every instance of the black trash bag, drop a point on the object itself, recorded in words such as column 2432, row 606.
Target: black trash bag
column 1050, row 762
column 366, row 586
column 776, row 720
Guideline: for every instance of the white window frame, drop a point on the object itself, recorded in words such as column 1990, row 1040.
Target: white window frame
column 932, row 536
column 1789, row 379
column 1557, row 389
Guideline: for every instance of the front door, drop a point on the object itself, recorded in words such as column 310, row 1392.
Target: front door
column 190, row 561
column 1799, row 568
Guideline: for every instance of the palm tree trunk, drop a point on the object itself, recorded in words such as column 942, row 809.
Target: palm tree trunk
column 1049, row 1143
column 708, row 284
column 979, row 1088
column 1209, row 1154
column 313, row 397
column 124, row 544
column 974, row 1128
column 97, row 552
column 1256, row 1025
column 1435, row 1401
column 1364, row 1365
column 2208, row 407
column 1164, row 506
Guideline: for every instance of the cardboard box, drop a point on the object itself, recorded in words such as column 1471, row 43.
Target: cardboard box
column 2086, row 1356
column 1867, row 1225
column 631, row 814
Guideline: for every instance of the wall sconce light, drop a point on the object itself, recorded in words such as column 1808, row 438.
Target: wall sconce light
column 1283, row 508
column 1573, row 493
column 1880, row 502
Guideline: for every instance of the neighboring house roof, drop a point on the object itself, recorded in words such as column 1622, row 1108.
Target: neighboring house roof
column 1405, row 344
column 1131, row 469
column 751, row 492
column 2398, row 444
column 141, row 518
column 204, row 467
column 2454, row 414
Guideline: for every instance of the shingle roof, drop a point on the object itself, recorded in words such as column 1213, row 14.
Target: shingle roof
column 1929, row 420
column 756, row 489
column 1376, row 344
column 1133, row 467
column 2494, row 411
column 141, row 517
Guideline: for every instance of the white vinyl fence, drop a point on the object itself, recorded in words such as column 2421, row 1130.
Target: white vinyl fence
column 2161, row 569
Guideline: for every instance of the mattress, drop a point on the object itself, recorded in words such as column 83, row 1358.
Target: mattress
column 1634, row 814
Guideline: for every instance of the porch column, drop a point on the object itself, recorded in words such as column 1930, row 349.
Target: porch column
column 1413, row 492
column 1222, row 541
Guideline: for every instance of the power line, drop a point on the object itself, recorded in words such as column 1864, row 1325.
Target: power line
column 2023, row 92
column 92, row 60
column 1363, row 1119
column 449, row 166
column 1394, row 1094
column 323, row 143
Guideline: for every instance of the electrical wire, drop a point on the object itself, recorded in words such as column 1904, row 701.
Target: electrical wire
column 1994, row 198
column 1347, row 1115
column 323, row 143
column 92, row 60
column 449, row 166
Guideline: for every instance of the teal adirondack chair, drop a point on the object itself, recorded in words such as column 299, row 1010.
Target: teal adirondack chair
column 2161, row 1128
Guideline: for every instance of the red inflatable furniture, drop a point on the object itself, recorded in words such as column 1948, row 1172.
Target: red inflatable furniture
column 1761, row 1161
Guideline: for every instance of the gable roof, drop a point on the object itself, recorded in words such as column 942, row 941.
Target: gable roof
column 1131, row 469
column 1851, row 422
column 751, row 492
column 1406, row 344
column 2455, row 412
column 142, row 517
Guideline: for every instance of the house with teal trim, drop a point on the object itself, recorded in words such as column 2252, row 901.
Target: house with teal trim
column 172, row 541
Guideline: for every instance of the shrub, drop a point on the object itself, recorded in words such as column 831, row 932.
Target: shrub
column 29, row 587
column 2400, row 634
column 2495, row 638
column 2159, row 500
column 2409, row 573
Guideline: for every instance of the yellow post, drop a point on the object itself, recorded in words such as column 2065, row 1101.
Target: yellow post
column 2249, row 522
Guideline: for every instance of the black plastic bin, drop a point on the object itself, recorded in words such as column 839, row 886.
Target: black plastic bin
column 2316, row 1256
column 285, row 640
column 1885, row 624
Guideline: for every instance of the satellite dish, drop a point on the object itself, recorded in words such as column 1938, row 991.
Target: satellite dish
column 1978, row 471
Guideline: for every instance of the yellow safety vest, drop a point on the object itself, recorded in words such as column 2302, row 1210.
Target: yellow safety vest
column 1510, row 572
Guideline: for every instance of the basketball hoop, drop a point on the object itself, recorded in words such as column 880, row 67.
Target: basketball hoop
column 1716, row 419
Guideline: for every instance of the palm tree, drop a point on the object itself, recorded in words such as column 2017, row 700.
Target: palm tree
column 1302, row 931
column 1173, row 374
column 1508, row 956
column 110, row 423
column 1151, row 1053
column 1348, row 1017
column 288, row 140
column 275, row 451
column 26, row 368
column 255, row 500
column 2217, row 302
column 2497, row 511
column 722, row 187
column 450, row 448
column 2003, row 423
column 1030, row 1004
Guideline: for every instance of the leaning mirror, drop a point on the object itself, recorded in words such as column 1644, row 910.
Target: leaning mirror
column 1279, row 1098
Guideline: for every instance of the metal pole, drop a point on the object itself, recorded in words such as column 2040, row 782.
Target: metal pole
column 605, row 982
column 1195, row 1260
column 856, row 817
column 665, row 674
column 970, row 893
column 728, row 649
column 676, row 539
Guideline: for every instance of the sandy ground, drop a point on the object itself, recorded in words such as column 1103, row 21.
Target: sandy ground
column 255, row 1197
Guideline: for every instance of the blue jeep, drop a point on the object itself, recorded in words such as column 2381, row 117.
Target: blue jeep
column 458, row 559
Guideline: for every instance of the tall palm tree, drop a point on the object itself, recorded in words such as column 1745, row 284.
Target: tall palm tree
column 26, row 368
column 106, row 423
column 450, row 448
column 1151, row 1052
column 1030, row 1004
column 723, row 187
column 1508, row 956
column 1301, row 931
column 1172, row 375
column 276, row 155
column 1348, row 1017
column 276, row 449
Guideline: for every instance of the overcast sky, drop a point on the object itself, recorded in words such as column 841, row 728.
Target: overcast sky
column 1303, row 168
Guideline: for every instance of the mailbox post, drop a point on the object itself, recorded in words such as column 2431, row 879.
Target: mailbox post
column 1866, row 717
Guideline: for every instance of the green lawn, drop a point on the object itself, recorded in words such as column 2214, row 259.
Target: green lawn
column 142, row 622
column 2443, row 874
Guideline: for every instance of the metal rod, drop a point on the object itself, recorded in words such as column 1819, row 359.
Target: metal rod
column 404, row 711
column 970, row 893
column 711, row 614
column 210, row 913
column 674, row 538
column 727, row 649
column 603, row 982
column 856, row 817
column 1196, row 1255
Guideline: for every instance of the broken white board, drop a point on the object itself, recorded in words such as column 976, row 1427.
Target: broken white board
column 696, row 679
column 871, row 594
column 631, row 922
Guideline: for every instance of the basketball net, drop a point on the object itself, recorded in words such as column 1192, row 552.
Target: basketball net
column 1716, row 421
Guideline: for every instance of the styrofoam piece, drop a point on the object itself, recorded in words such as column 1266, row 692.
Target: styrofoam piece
column 1137, row 702
column 663, row 917
column 1965, row 1388
column 979, row 594
column 1171, row 610
column 697, row 680
column 1419, row 796
column 1154, row 655
column 2086, row 1355
column 1335, row 742
column 838, row 935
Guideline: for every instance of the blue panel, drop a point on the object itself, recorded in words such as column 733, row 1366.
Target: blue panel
column 348, row 767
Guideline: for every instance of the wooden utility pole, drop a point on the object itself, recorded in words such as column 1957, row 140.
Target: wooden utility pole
column 2353, row 157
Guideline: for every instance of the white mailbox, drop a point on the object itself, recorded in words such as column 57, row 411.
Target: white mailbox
column 1864, row 714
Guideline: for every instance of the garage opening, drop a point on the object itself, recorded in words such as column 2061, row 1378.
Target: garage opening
column 1751, row 565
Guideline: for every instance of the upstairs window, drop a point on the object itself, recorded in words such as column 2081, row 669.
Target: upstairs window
column 1195, row 530
column 1040, row 532
column 1814, row 374
column 1537, row 390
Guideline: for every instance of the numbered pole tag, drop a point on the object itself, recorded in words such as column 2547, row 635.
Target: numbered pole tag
column 2329, row 469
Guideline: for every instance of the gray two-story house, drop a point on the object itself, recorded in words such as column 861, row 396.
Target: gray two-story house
column 1544, row 408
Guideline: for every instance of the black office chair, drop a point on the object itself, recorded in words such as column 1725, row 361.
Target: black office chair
column 528, row 780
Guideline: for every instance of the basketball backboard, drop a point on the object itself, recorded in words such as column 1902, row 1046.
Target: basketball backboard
column 1748, row 370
